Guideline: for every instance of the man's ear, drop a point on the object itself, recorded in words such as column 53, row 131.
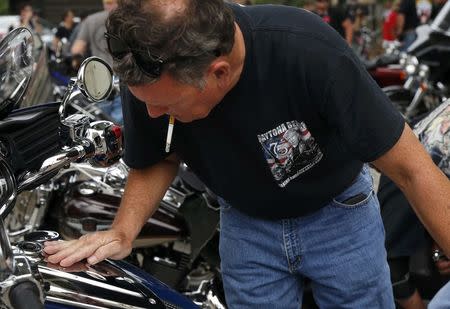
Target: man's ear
column 221, row 72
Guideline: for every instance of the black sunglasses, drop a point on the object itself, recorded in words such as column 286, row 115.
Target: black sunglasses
column 151, row 65
column 118, row 49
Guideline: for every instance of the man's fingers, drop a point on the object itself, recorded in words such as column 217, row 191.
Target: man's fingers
column 95, row 247
column 51, row 247
column 62, row 254
column 77, row 255
column 112, row 250
column 70, row 252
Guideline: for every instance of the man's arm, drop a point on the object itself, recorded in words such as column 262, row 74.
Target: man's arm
column 425, row 186
column 79, row 47
column 348, row 27
column 399, row 24
column 143, row 193
column 144, row 190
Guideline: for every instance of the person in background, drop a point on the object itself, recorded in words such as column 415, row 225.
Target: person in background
column 411, row 14
column 76, row 29
column 64, row 30
column 28, row 19
column 336, row 18
column 390, row 23
column 91, row 41
column 309, row 5
column 90, row 38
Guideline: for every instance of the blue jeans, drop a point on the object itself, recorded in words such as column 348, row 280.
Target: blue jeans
column 340, row 248
column 442, row 299
column 113, row 109
column 409, row 38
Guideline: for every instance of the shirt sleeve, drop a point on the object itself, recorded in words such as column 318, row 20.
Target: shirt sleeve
column 83, row 33
column 144, row 137
column 59, row 32
column 365, row 120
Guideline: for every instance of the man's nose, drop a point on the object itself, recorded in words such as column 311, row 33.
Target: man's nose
column 156, row 111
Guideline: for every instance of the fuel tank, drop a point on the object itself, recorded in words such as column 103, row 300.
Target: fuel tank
column 108, row 284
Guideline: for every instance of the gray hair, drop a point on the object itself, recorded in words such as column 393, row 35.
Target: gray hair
column 186, row 39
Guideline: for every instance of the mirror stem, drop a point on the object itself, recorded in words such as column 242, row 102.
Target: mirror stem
column 65, row 100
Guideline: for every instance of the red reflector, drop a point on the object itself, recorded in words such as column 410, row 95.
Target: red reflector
column 117, row 131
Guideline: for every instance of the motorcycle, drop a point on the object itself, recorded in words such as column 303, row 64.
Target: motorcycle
column 427, row 67
column 178, row 245
column 35, row 144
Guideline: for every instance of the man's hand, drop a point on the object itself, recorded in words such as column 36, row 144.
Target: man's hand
column 94, row 247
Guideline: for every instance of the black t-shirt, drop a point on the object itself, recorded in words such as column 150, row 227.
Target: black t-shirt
column 335, row 17
column 414, row 13
column 63, row 32
column 292, row 133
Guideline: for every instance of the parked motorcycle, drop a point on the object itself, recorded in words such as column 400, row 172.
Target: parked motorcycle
column 428, row 69
column 178, row 244
column 386, row 70
column 35, row 144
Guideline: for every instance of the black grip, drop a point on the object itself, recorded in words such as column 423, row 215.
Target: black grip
column 25, row 295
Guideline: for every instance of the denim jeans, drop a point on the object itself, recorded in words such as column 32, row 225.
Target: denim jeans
column 113, row 109
column 340, row 248
column 442, row 299
column 409, row 38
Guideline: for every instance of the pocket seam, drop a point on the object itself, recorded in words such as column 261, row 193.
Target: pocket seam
column 338, row 204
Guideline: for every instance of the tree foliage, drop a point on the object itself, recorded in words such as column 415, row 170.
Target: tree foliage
column 4, row 7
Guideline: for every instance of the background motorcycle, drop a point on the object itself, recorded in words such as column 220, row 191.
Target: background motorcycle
column 428, row 69
column 26, row 161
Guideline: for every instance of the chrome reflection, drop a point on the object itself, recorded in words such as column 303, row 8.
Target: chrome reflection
column 103, row 285
column 81, row 300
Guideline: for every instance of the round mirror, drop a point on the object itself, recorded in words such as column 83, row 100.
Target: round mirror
column 95, row 79
column 16, row 67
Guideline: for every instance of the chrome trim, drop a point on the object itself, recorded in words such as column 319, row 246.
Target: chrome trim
column 77, row 303
column 69, row 276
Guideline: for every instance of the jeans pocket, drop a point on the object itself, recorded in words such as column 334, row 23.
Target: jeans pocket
column 354, row 201
column 358, row 193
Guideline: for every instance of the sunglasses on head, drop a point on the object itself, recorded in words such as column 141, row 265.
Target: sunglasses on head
column 151, row 65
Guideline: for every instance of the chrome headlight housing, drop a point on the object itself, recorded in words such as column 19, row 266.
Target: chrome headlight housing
column 403, row 57
column 424, row 71
column 411, row 65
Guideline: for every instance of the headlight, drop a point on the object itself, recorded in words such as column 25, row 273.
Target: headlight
column 7, row 185
column 424, row 71
column 403, row 57
column 410, row 69
column 411, row 65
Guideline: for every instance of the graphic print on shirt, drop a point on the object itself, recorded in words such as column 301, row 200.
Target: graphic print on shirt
column 290, row 150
